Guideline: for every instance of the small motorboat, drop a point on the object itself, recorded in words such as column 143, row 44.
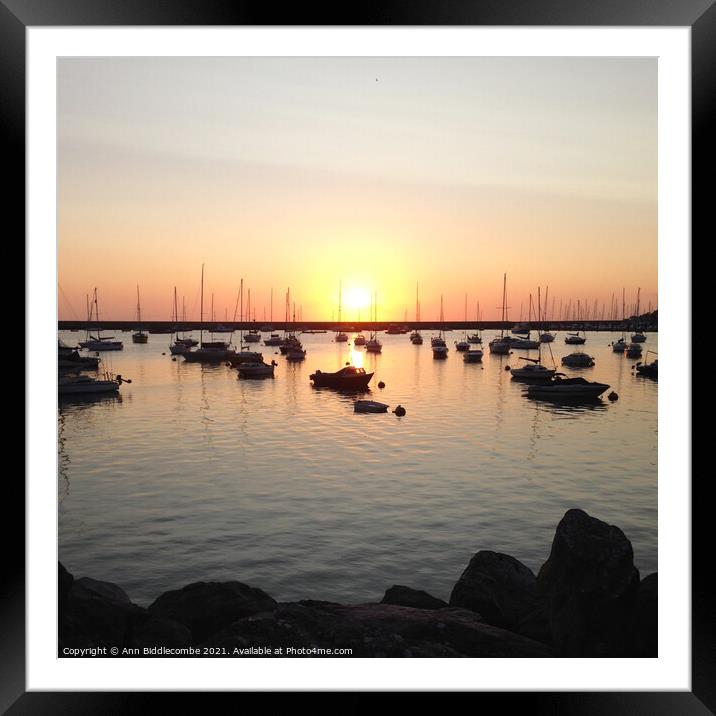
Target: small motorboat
column 522, row 343
column 256, row 369
column 241, row 357
column 290, row 342
column 546, row 337
column 500, row 346
column 369, row 406
column 273, row 340
column 560, row 387
column 295, row 354
column 84, row 385
column 68, row 357
column 534, row 370
column 348, row 378
column 578, row 360
column 359, row 340
column 102, row 344
column 440, row 352
column 212, row 352
column 179, row 349
column 648, row 370
column 474, row 355
column 574, row 339
column 619, row 346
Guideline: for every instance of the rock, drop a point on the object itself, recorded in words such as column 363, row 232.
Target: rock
column 647, row 617
column 96, row 614
column 109, row 591
column 149, row 630
column 375, row 630
column 497, row 586
column 64, row 583
column 590, row 587
column 206, row 607
column 407, row 597
column 535, row 625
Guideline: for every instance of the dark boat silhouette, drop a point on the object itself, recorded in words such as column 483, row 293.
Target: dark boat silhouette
column 348, row 378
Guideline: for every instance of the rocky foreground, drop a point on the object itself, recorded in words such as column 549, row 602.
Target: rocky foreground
column 586, row 600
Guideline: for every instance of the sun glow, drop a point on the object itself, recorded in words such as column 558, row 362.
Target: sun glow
column 357, row 298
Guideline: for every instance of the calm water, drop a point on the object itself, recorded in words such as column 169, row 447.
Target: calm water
column 192, row 474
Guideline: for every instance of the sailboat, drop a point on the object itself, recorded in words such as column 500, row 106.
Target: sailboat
column 139, row 336
column 638, row 336
column 212, row 351
column 99, row 342
column 242, row 356
column 499, row 345
column 294, row 349
column 464, row 344
column 545, row 336
column 476, row 338
column 341, row 337
column 373, row 345
column 526, row 343
column 574, row 339
column 253, row 336
column 415, row 338
column 620, row 345
column 534, row 370
column 274, row 339
column 440, row 349
column 177, row 345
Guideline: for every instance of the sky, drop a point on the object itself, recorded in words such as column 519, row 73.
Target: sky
column 373, row 174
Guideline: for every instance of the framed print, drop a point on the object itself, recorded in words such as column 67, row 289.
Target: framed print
column 357, row 324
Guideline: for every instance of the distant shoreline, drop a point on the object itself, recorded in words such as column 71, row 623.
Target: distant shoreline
column 597, row 325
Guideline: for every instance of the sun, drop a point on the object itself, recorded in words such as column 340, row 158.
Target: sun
column 357, row 298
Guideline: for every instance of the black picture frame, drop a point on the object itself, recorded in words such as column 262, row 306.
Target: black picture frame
column 699, row 15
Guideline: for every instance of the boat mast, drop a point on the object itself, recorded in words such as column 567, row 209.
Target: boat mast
column 201, row 316
column 504, row 300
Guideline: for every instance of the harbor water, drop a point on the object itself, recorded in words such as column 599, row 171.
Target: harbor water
column 192, row 474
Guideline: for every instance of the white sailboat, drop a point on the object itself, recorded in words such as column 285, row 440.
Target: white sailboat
column 373, row 345
column 99, row 342
column 440, row 349
column 341, row 337
column 499, row 345
column 139, row 336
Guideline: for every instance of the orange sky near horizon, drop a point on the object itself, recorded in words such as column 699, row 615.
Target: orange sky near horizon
column 379, row 173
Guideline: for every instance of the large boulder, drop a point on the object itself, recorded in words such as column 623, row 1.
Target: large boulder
column 375, row 630
column 590, row 587
column 407, row 597
column 498, row 587
column 206, row 607
column 95, row 613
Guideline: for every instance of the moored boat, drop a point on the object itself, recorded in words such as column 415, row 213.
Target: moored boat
column 369, row 406
column 349, row 377
column 560, row 387
column 256, row 369
column 578, row 360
